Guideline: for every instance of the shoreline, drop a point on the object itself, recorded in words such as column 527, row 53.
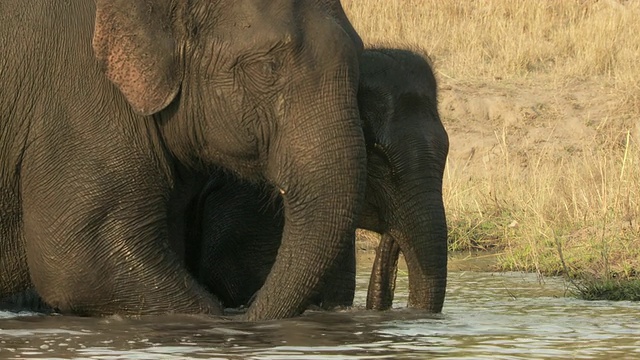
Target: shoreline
column 476, row 261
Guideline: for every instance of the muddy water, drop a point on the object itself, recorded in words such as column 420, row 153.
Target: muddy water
column 486, row 315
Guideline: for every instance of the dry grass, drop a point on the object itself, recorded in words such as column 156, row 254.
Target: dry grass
column 587, row 201
column 586, row 206
column 510, row 38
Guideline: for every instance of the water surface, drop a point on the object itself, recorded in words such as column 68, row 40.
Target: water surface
column 486, row 315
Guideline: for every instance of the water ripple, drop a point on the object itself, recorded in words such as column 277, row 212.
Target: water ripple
column 486, row 316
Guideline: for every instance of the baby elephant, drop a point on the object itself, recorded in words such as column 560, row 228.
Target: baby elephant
column 240, row 224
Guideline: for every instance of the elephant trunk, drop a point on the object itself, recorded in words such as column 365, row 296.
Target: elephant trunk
column 320, row 170
column 426, row 259
column 419, row 230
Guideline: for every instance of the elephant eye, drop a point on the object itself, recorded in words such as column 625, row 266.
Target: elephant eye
column 263, row 71
column 269, row 67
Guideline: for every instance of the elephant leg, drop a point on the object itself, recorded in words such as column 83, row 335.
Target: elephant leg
column 382, row 283
column 97, row 241
column 14, row 271
column 241, row 226
column 27, row 300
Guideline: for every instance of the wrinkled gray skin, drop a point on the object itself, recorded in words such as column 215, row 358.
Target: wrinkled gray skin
column 113, row 114
column 406, row 153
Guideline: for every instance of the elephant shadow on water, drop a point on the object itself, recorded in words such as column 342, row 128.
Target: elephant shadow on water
column 114, row 113
column 239, row 224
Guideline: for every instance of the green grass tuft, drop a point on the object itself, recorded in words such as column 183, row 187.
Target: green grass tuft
column 607, row 289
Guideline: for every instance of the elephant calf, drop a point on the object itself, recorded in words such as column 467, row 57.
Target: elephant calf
column 407, row 146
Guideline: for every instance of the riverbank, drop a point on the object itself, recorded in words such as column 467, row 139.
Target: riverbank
column 542, row 105
column 471, row 260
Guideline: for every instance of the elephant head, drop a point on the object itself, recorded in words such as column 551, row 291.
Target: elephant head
column 407, row 147
column 264, row 88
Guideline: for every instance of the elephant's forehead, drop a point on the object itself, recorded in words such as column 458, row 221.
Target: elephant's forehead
column 257, row 21
column 397, row 78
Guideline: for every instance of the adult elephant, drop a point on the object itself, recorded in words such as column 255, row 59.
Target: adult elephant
column 113, row 113
column 407, row 146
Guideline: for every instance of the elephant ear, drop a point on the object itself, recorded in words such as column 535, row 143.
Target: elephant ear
column 135, row 46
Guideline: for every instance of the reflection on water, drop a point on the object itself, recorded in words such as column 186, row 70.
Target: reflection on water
column 493, row 316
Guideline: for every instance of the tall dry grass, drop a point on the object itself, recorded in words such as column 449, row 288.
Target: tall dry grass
column 510, row 38
column 586, row 205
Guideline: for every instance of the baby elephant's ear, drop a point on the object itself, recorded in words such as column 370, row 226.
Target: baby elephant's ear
column 134, row 44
